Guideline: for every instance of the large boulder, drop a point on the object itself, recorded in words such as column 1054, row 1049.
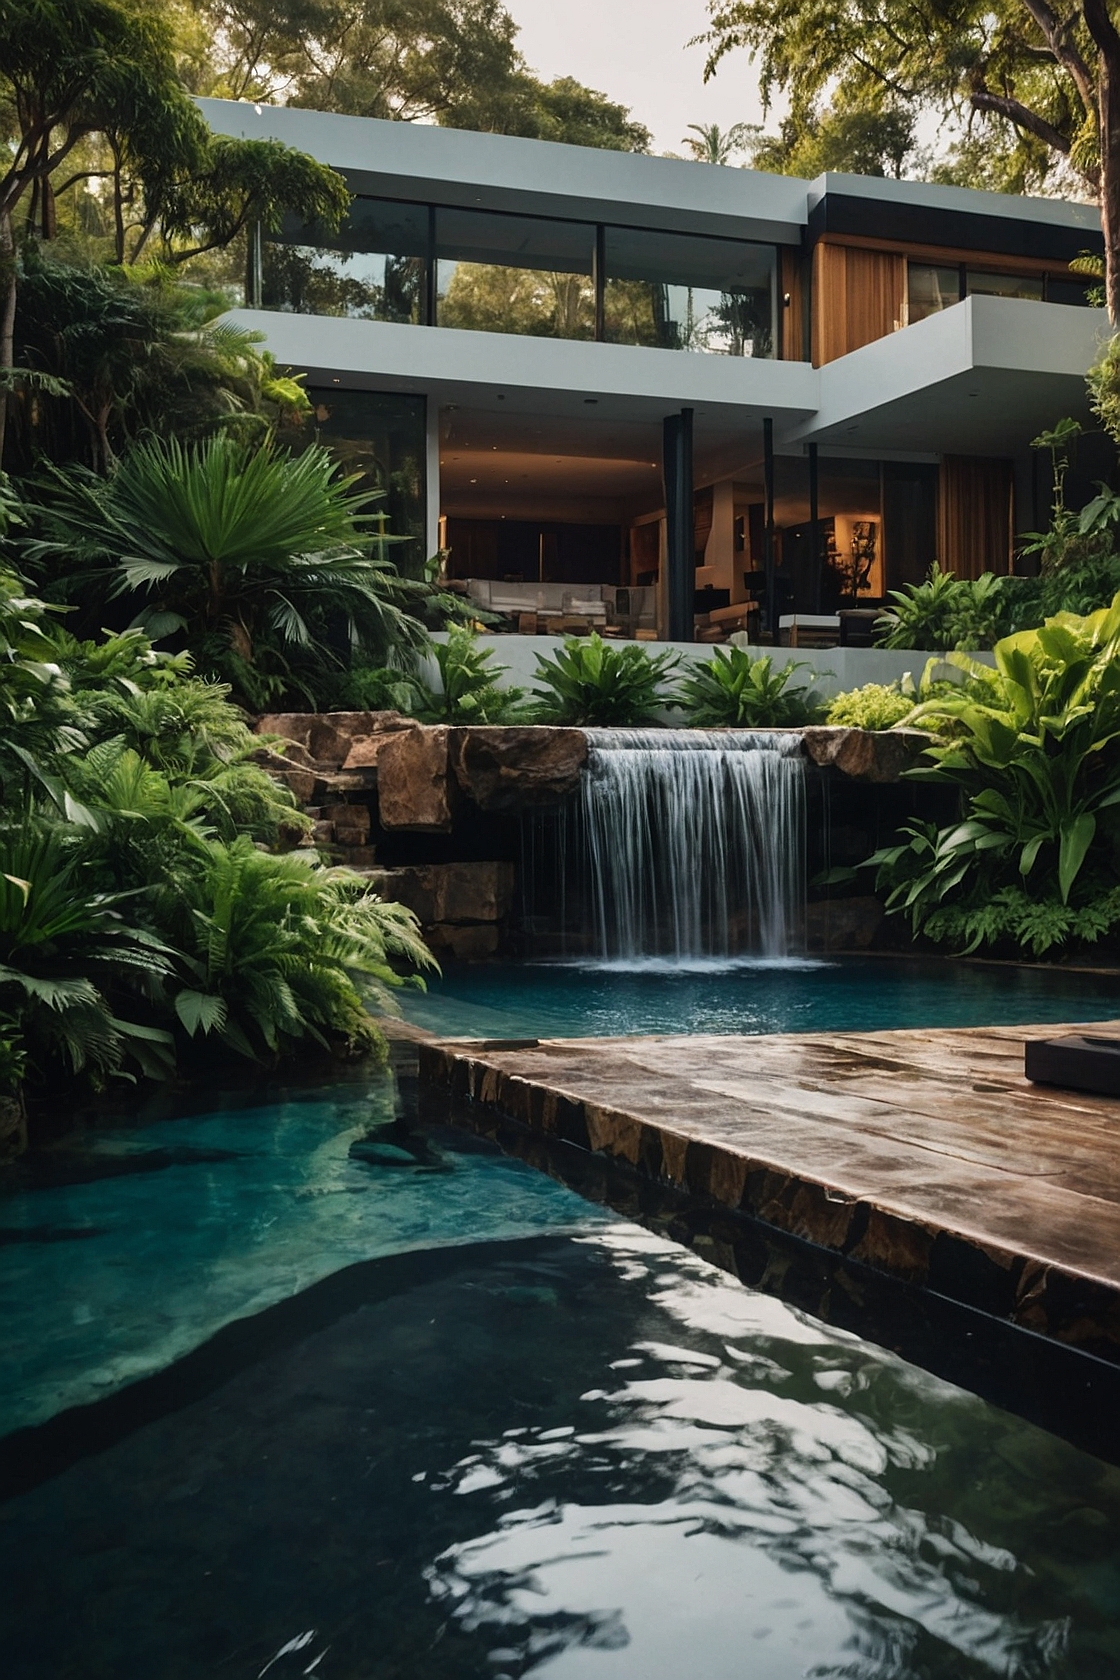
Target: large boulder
column 413, row 782
column 467, row 944
column 514, row 767
column 864, row 754
column 334, row 740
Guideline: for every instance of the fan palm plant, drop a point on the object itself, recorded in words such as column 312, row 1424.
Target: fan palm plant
column 238, row 548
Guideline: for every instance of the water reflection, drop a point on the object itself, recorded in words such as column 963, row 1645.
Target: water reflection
column 806, row 1505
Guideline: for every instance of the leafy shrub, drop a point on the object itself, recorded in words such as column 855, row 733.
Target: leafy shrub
column 733, row 691
column 139, row 907
column 278, row 950
column 1033, row 748
column 69, row 958
column 261, row 561
column 371, row 688
column 874, row 706
column 469, row 691
column 604, row 684
column 944, row 613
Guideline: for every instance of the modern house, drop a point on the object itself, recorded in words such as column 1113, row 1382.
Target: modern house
column 657, row 393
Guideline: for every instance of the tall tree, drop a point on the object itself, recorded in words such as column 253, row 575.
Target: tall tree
column 454, row 62
column 709, row 143
column 77, row 71
column 1043, row 76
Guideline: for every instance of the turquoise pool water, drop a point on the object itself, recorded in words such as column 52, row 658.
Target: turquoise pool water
column 538, row 1000
column 366, row 1400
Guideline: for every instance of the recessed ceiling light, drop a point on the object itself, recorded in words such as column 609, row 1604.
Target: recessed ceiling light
column 474, row 481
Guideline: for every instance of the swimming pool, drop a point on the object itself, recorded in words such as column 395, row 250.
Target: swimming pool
column 555, row 999
column 367, row 1400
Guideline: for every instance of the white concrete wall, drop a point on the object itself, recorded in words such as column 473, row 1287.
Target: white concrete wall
column 454, row 166
column 830, row 670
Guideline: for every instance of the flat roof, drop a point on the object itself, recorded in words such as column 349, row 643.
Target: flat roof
column 462, row 167
column 406, row 160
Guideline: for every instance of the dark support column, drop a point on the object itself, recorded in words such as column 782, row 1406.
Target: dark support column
column 815, row 527
column 770, row 605
column 599, row 283
column 680, row 559
column 254, row 264
column 428, row 302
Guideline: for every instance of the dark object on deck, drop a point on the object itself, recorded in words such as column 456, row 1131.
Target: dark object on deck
column 1078, row 1064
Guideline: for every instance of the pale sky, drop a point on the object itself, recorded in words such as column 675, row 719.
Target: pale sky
column 634, row 51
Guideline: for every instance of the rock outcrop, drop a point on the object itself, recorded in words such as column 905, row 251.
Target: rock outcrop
column 515, row 767
column 461, row 906
column 863, row 754
column 413, row 782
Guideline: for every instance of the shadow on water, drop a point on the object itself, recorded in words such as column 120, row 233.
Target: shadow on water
column 1067, row 1392
column 578, row 1450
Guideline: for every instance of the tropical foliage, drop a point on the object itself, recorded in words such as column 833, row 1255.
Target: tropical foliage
column 1033, row 747
column 733, row 691
column 269, row 567
column 874, row 706
column 146, row 897
column 468, row 685
column 604, row 684
column 109, row 355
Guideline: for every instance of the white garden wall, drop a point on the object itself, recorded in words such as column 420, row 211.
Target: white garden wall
column 834, row 670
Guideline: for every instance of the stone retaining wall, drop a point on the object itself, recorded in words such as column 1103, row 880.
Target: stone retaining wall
column 369, row 780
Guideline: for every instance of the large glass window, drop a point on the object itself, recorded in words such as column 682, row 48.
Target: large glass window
column 687, row 292
column 514, row 274
column 373, row 267
column 380, row 437
column 1005, row 285
column 930, row 289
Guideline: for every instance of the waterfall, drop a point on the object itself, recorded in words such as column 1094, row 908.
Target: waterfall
column 693, row 842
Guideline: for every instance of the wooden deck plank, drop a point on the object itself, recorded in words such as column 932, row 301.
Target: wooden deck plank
column 924, row 1153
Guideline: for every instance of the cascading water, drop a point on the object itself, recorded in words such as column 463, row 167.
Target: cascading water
column 692, row 841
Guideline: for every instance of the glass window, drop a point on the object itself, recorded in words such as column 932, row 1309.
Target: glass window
column 514, row 274
column 930, row 289
column 373, row 267
column 688, row 292
column 1005, row 285
column 381, row 437
column 1071, row 290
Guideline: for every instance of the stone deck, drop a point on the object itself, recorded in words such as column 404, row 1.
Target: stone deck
column 925, row 1155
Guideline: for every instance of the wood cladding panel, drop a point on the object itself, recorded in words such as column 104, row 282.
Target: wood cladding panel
column 974, row 515
column 858, row 296
column 793, row 313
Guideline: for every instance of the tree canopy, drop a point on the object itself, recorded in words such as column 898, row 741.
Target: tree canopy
column 1026, row 91
column 1014, row 84
column 454, row 62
